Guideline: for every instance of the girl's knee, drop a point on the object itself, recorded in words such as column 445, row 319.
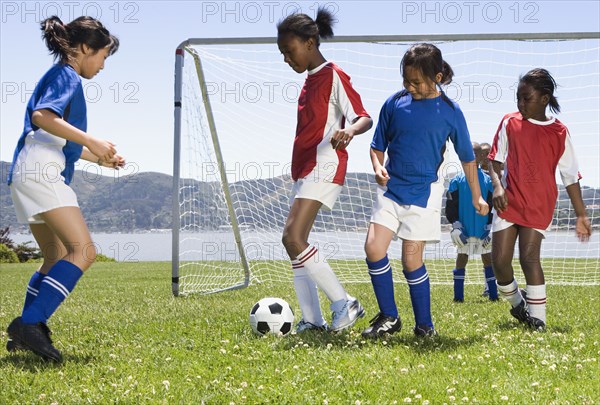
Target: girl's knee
column 530, row 266
column 290, row 240
column 412, row 263
column 374, row 252
column 84, row 256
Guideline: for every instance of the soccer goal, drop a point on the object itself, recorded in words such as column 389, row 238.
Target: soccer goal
column 235, row 118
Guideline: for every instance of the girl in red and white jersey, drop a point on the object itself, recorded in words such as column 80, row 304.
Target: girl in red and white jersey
column 530, row 145
column 330, row 114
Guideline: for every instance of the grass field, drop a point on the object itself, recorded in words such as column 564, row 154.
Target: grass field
column 126, row 339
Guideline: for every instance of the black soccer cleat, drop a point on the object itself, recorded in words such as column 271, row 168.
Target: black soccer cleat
column 425, row 331
column 12, row 346
column 35, row 338
column 382, row 325
column 536, row 324
column 520, row 311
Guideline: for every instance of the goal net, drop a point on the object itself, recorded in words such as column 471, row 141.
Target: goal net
column 235, row 118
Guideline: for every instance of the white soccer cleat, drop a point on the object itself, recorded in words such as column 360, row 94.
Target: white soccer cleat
column 303, row 326
column 347, row 315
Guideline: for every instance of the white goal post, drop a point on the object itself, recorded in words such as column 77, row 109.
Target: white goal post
column 234, row 124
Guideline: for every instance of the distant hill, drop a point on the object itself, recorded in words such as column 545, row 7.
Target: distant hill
column 142, row 202
column 110, row 204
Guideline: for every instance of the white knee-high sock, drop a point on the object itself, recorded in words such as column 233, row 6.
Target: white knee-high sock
column 536, row 301
column 308, row 295
column 511, row 293
column 320, row 272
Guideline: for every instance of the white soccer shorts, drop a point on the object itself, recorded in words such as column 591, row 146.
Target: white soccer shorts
column 325, row 192
column 499, row 224
column 409, row 222
column 37, row 185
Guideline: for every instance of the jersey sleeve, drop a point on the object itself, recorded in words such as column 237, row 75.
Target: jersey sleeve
column 348, row 99
column 58, row 92
column 568, row 165
column 380, row 140
column 460, row 137
column 500, row 144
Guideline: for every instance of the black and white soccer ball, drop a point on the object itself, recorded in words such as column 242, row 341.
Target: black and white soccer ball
column 271, row 315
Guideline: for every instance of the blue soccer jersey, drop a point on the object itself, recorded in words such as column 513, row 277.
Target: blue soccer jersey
column 60, row 91
column 414, row 133
column 473, row 223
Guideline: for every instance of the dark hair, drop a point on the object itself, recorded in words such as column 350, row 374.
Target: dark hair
column 306, row 28
column 542, row 81
column 63, row 40
column 428, row 59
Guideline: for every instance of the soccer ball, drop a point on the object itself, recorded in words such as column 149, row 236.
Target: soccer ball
column 271, row 315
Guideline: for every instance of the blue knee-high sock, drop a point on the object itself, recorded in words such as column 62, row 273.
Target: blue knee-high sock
column 490, row 279
column 420, row 295
column 459, row 284
column 55, row 287
column 383, row 285
column 33, row 288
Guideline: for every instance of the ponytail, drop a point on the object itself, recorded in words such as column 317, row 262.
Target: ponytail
column 304, row 27
column 56, row 37
column 447, row 73
column 325, row 22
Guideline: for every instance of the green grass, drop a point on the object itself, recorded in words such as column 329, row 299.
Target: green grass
column 126, row 339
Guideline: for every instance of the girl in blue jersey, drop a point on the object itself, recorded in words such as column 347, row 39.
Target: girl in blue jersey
column 53, row 139
column 414, row 126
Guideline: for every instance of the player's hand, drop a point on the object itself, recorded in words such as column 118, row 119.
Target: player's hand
column 342, row 138
column 382, row 176
column 499, row 199
column 105, row 150
column 116, row 162
column 481, row 206
column 583, row 228
column 458, row 237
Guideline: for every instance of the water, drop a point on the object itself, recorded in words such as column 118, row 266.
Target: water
column 156, row 246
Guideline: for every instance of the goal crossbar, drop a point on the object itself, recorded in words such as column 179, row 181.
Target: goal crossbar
column 552, row 36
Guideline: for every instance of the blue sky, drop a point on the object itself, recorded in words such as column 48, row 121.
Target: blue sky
column 131, row 101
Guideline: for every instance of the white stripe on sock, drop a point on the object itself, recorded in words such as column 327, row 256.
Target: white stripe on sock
column 56, row 285
column 418, row 280
column 32, row 291
column 381, row 270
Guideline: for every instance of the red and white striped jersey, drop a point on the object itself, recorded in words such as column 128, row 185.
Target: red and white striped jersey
column 531, row 151
column 326, row 102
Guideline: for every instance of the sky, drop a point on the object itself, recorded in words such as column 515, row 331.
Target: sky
column 130, row 102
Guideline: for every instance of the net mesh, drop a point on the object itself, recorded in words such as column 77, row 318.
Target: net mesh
column 253, row 95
